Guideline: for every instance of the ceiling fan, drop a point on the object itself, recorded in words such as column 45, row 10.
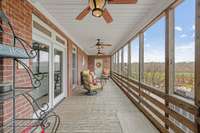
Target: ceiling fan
column 100, row 45
column 99, row 53
column 98, row 8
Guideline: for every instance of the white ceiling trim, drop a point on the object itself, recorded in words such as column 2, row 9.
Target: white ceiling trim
column 38, row 6
column 139, row 27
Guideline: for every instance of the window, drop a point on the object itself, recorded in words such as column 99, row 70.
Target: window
column 114, row 62
column 185, row 48
column 120, row 61
column 125, row 61
column 40, row 69
column 135, row 59
column 154, row 55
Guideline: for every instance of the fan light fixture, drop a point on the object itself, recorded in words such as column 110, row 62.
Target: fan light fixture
column 97, row 7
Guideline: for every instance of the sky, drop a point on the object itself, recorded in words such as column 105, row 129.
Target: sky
column 135, row 50
column 184, row 31
column 125, row 52
column 154, row 37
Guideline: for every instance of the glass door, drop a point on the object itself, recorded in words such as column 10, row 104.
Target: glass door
column 98, row 67
column 58, row 73
column 74, row 68
column 40, row 68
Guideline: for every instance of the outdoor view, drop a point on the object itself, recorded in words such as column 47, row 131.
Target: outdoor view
column 154, row 52
column 120, row 61
column 40, row 69
column 115, row 63
column 125, row 61
column 135, row 59
column 184, row 48
column 154, row 55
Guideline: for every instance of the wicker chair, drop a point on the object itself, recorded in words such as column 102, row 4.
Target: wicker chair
column 89, row 83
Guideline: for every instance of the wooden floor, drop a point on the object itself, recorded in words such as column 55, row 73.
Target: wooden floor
column 110, row 111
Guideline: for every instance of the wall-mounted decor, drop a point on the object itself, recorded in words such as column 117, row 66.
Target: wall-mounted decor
column 98, row 64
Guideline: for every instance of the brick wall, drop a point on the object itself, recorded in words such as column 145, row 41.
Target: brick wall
column 20, row 16
column 106, row 62
column 80, row 65
column 20, row 13
column 23, row 110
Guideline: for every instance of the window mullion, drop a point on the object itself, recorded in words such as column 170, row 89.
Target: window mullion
column 141, row 57
column 197, row 55
column 169, row 53
column 129, row 60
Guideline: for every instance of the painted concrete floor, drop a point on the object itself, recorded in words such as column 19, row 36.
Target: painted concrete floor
column 110, row 111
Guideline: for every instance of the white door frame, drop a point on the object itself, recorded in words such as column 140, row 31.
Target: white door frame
column 76, row 75
column 45, row 40
column 52, row 43
column 60, row 47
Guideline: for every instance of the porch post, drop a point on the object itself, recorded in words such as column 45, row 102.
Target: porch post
column 122, row 61
column 197, row 61
column 129, row 60
column 169, row 56
column 197, row 55
column 141, row 60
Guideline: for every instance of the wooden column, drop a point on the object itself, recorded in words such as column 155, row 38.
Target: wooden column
column 141, row 60
column 197, row 55
column 122, row 53
column 129, row 60
column 169, row 56
column 141, row 57
column 197, row 62
column 118, row 61
column 122, row 60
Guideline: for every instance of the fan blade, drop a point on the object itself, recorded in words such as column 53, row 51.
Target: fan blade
column 100, row 54
column 107, row 16
column 83, row 13
column 106, row 45
column 122, row 1
column 93, row 46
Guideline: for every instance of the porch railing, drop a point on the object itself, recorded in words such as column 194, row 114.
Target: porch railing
column 166, row 112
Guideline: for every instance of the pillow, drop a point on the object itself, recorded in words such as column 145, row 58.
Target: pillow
column 93, row 78
column 90, row 78
column 31, row 127
column 85, row 72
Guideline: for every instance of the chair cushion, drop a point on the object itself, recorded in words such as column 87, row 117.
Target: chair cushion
column 89, row 82
column 86, row 72
column 90, row 79
column 87, row 77
column 93, row 78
